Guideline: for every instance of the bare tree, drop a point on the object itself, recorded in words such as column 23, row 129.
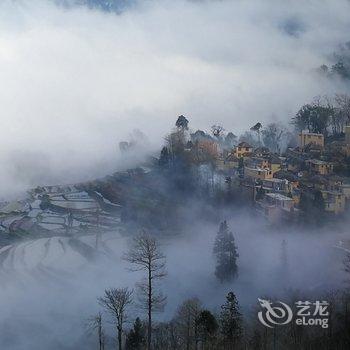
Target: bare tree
column 273, row 136
column 145, row 255
column 185, row 318
column 217, row 130
column 257, row 128
column 343, row 103
column 116, row 301
column 95, row 325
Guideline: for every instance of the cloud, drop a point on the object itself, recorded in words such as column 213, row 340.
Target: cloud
column 74, row 82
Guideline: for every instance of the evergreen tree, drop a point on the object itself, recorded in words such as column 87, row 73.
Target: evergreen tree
column 314, row 117
column 255, row 341
column 182, row 122
column 340, row 69
column 230, row 321
column 313, row 207
column 207, row 326
column 260, row 193
column 241, row 167
column 304, row 202
column 319, row 202
column 230, row 140
column 226, row 254
column 164, row 157
column 305, row 205
column 136, row 338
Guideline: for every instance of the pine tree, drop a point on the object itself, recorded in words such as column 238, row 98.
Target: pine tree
column 207, row 327
column 230, row 321
column 136, row 338
column 226, row 254
column 164, row 157
column 241, row 167
column 182, row 122
column 260, row 193
column 319, row 202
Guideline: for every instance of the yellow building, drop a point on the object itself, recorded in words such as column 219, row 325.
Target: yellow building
column 275, row 164
column 243, row 149
column 320, row 167
column 257, row 162
column 281, row 201
column 305, row 138
column 296, row 197
column 345, row 188
column 334, row 201
column 227, row 163
column 276, row 207
column 276, row 185
column 258, row 173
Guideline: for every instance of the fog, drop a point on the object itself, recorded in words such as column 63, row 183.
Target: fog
column 75, row 81
column 48, row 292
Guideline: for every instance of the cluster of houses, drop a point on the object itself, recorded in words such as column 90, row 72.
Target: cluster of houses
column 275, row 183
column 59, row 210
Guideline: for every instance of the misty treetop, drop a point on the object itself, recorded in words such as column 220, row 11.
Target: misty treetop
column 231, row 321
column 324, row 116
column 182, row 122
column 145, row 255
column 340, row 69
column 225, row 252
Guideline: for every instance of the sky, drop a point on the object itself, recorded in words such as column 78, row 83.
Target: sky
column 75, row 82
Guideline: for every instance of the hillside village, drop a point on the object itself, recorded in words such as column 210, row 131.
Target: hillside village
column 284, row 187
column 301, row 184
column 306, row 182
